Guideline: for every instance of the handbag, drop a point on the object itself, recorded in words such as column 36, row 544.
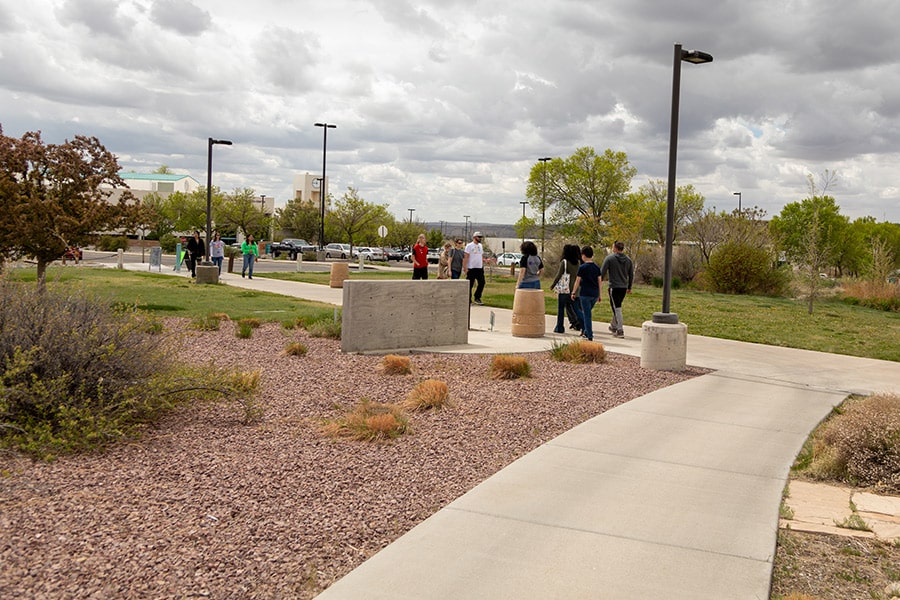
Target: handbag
column 562, row 286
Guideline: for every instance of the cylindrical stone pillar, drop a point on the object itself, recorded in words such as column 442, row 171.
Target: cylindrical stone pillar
column 340, row 272
column 528, row 313
column 663, row 346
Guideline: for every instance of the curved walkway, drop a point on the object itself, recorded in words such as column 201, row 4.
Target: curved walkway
column 674, row 495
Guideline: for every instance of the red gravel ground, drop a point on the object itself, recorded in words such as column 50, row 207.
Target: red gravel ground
column 205, row 506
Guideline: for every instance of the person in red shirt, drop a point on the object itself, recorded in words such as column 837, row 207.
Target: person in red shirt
column 420, row 258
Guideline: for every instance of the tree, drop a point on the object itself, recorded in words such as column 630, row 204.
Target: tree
column 240, row 211
column 301, row 218
column 688, row 207
column 352, row 216
column 524, row 226
column 434, row 238
column 51, row 195
column 581, row 189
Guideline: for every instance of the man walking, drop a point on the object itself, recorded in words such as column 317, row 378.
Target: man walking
column 588, row 281
column 619, row 273
column 473, row 266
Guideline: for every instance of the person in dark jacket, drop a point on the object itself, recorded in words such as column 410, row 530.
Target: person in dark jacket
column 196, row 249
column 618, row 270
column 565, row 306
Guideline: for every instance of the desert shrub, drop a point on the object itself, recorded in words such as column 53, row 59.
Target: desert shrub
column 879, row 295
column 295, row 349
column 739, row 268
column 325, row 329
column 369, row 421
column 210, row 322
column 580, row 351
column 289, row 324
column 243, row 330
column 430, row 393
column 505, row 366
column 251, row 322
column 860, row 444
column 393, row 364
column 112, row 243
column 77, row 374
column 168, row 243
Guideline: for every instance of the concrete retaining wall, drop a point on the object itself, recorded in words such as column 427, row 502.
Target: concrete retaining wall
column 398, row 315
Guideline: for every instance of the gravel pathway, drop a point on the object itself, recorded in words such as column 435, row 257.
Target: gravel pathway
column 205, row 506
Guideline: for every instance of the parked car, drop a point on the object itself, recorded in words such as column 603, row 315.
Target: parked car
column 337, row 251
column 509, row 258
column 368, row 253
column 394, row 254
column 291, row 247
column 434, row 256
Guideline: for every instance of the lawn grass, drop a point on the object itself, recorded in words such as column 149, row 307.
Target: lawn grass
column 834, row 326
column 164, row 295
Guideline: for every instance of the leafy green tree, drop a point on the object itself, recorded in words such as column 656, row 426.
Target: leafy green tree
column 157, row 217
column 434, row 238
column 815, row 220
column 242, row 211
column 301, row 218
column 51, row 196
column 580, row 189
column 688, row 207
column 403, row 234
column 354, row 218
column 525, row 227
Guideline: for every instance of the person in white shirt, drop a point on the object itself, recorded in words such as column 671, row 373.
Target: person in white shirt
column 473, row 266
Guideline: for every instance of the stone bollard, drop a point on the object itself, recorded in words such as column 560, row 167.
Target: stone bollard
column 528, row 313
column 207, row 273
column 299, row 262
column 340, row 272
column 120, row 259
column 663, row 346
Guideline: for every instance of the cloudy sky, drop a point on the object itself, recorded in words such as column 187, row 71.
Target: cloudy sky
column 443, row 106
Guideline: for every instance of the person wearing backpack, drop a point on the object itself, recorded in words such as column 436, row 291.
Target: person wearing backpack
column 565, row 276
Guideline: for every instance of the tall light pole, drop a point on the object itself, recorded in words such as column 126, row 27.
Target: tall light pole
column 738, row 194
column 210, row 143
column 543, row 197
column 467, row 228
column 696, row 57
column 411, row 211
column 524, row 204
column 325, row 127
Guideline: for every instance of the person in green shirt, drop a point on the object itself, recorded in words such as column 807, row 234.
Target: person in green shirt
column 251, row 253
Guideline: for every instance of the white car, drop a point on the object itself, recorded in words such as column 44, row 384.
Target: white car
column 369, row 253
column 509, row 258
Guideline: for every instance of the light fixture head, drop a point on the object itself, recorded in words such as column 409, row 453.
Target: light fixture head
column 696, row 57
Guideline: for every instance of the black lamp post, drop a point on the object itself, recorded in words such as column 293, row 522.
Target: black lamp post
column 543, row 198
column 524, row 204
column 210, row 143
column 696, row 57
column 411, row 211
column 467, row 228
column 738, row 194
column 325, row 127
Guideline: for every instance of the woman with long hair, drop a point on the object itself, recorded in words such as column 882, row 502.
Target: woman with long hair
column 568, row 270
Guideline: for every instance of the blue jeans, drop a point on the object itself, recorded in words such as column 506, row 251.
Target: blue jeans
column 587, row 305
column 530, row 285
column 248, row 264
column 217, row 260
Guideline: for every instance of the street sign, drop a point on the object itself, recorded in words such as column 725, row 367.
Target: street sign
column 382, row 231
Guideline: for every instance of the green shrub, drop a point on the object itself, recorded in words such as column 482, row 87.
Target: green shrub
column 168, row 243
column 244, row 330
column 76, row 374
column 325, row 329
column 739, row 268
column 208, row 323
column 111, row 243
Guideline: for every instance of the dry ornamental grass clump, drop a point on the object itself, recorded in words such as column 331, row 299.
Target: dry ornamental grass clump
column 393, row 364
column 370, row 422
column 861, row 445
column 504, row 366
column 431, row 393
column 581, row 351
column 295, row 349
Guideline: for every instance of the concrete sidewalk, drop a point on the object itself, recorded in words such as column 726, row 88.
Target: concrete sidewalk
column 674, row 495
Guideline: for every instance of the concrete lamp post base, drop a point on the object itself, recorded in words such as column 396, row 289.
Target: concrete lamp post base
column 664, row 343
column 207, row 273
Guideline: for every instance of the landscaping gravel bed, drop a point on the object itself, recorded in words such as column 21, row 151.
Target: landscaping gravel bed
column 203, row 505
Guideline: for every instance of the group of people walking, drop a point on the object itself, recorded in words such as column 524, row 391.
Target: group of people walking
column 578, row 282
column 195, row 250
